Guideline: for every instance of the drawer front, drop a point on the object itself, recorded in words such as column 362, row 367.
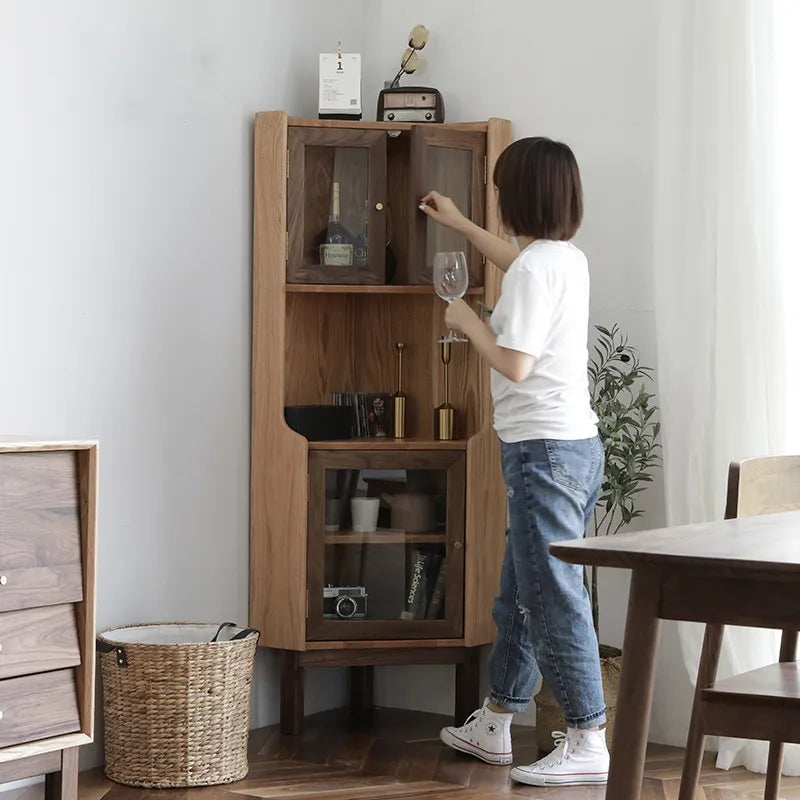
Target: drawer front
column 40, row 547
column 38, row 640
column 37, row 707
column 40, row 586
column 39, row 510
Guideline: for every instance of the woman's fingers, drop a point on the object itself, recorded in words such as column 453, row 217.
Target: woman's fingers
column 430, row 201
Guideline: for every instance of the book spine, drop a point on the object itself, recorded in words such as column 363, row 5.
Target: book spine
column 416, row 592
column 437, row 598
column 431, row 572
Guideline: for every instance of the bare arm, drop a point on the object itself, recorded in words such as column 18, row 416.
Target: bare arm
column 443, row 210
column 511, row 364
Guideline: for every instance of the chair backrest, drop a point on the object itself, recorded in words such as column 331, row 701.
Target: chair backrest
column 763, row 486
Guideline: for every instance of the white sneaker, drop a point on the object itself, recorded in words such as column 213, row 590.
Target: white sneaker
column 485, row 735
column 581, row 757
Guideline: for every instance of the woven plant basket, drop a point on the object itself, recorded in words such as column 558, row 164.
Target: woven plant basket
column 176, row 703
column 548, row 713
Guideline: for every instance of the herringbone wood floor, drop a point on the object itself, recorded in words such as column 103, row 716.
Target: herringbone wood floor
column 398, row 755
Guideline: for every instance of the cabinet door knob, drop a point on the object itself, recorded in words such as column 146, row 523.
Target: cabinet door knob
column 379, row 206
column 3, row 580
column 458, row 545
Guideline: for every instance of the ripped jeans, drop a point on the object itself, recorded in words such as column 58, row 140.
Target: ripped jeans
column 543, row 612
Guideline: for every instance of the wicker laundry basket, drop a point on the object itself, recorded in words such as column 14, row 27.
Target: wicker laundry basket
column 176, row 703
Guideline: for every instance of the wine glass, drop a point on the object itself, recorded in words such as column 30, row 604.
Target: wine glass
column 451, row 279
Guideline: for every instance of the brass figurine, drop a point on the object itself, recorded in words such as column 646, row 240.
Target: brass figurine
column 399, row 397
column 444, row 415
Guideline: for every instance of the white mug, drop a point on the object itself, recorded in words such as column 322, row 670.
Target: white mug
column 365, row 513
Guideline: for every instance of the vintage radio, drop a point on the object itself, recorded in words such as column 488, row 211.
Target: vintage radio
column 410, row 104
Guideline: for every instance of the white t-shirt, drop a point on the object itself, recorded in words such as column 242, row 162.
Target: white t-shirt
column 543, row 311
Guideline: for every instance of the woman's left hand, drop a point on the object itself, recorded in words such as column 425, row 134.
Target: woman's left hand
column 459, row 316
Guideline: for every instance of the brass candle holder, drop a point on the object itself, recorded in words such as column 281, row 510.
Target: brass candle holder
column 444, row 415
column 399, row 421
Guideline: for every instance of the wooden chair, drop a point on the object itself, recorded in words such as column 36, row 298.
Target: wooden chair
column 764, row 703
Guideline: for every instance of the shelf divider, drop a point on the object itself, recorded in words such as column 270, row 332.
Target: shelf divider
column 387, row 443
column 347, row 288
column 384, row 537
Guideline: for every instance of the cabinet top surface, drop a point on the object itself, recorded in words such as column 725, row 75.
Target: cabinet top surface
column 14, row 443
column 300, row 122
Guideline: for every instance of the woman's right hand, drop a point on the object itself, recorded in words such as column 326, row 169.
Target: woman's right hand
column 443, row 210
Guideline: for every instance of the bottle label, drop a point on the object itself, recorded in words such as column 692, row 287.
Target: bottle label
column 336, row 255
column 360, row 255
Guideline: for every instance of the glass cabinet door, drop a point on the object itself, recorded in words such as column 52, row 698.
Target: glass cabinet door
column 336, row 206
column 385, row 545
column 453, row 163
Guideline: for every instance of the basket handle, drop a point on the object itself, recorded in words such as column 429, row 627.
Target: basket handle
column 105, row 647
column 243, row 634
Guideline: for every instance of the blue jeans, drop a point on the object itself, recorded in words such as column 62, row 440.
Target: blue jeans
column 543, row 612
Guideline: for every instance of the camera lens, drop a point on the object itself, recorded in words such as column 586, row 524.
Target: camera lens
column 346, row 607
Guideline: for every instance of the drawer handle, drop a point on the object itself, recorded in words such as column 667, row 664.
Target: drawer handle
column 3, row 580
column 1, row 715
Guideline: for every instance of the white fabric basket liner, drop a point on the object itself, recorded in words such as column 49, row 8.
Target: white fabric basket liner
column 172, row 633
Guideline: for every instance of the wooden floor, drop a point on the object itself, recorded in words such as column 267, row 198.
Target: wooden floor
column 399, row 755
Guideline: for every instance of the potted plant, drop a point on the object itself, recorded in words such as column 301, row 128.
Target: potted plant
column 628, row 428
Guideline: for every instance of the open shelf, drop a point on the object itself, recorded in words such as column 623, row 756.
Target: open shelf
column 385, row 537
column 386, row 443
column 348, row 288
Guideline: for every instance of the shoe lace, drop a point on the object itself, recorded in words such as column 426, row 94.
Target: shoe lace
column 561, row 741
column 473, row 717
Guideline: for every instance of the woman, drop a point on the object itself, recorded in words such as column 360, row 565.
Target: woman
column 536, row 346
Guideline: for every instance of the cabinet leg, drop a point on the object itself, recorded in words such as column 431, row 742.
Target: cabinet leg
column 468, row 684
column 63, row 785
column 362, row 693
column 292, row 712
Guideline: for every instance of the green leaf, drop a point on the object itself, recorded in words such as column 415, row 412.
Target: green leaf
column 625, row 407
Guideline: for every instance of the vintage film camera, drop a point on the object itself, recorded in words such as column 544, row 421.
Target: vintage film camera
column 344, row 602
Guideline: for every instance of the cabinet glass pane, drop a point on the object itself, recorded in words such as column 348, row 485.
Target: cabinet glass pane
column 336, row 204
column 450, row 172
column 385, row 544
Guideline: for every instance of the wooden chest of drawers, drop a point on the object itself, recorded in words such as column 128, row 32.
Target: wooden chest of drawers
column 48, row 501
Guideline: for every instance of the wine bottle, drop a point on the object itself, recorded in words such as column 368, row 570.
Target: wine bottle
column 360, row 241
column 336, row 249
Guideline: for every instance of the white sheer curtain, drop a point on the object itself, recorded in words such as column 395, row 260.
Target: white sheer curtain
column 727, row 271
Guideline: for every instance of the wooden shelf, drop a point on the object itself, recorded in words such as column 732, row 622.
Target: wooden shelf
column 315, row 338
column 385, row 443
column 384, row 537
column 384, row 644
column 348, row 288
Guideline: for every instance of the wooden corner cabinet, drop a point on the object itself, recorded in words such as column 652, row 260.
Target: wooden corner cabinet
column 371, row 550
column 48, row 502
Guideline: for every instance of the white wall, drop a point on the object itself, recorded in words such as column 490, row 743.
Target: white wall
column 585, row 73
column 125, row 251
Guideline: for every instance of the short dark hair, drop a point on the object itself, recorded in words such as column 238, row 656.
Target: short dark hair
column 539, row 189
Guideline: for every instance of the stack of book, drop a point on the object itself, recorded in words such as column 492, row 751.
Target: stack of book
column 425, row 586
column 373, row 412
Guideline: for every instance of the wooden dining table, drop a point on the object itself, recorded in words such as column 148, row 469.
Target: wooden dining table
column 743, row 571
